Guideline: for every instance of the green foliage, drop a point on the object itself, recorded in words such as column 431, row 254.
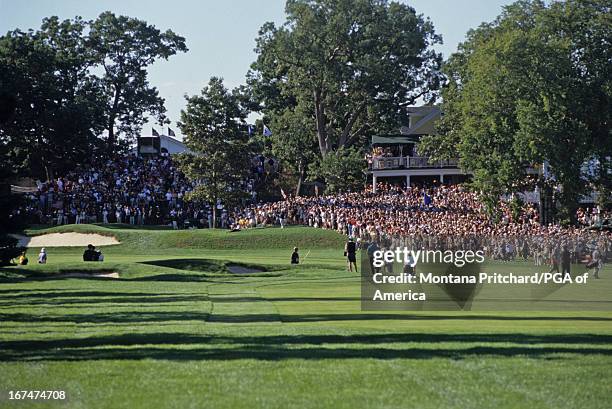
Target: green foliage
column 343, row 69
column 294, row 143
column 71, row 80
column 57, row 112
column 9, row 249
column 532, row 86
column 343, row 170
column 125, row 47
column 214, row 126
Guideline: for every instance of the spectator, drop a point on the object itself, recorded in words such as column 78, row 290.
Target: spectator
column 42, row 256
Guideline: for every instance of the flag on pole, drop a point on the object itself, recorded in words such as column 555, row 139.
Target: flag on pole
column 266, row 131
column 283, row 194
column 171, row 132
column 155, row 133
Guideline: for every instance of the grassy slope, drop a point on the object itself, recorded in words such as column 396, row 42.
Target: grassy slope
column 178, row 332
column 153, row 240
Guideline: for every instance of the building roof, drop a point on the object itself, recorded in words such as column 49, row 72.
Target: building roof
column 171, row 140
column 392, row 140
column 422, row 109
column 427, row 115
column 166, row 144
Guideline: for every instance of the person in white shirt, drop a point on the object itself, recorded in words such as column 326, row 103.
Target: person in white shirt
column 596, row 263
column 42, row 256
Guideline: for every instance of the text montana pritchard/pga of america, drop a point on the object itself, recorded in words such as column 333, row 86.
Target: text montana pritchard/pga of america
column 481, row 278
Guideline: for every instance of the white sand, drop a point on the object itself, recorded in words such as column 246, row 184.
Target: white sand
column 90, row 275
column 66, row 240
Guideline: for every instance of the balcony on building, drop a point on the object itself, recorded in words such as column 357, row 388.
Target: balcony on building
column 395, row 158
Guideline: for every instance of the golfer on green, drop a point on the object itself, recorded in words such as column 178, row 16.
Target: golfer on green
column 295, row 256
column 350, row 252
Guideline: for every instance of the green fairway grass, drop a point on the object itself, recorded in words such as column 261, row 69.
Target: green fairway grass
column 178, row 330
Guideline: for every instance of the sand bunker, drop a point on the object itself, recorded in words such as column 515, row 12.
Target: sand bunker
column 236, row 269
column 109, row 274
column 66, row 240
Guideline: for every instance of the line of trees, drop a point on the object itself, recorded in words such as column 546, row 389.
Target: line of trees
column 533, row 87
column 529, row 88
column 334, row 73
column 69, row 83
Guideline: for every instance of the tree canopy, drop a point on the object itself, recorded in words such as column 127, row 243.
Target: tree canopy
column 532, row 87
column 72, row 80
column 56, row 114
column 125, row 47
column 214, row 126
column 348, row 68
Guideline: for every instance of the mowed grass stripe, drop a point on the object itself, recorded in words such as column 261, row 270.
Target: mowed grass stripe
column 290, row 337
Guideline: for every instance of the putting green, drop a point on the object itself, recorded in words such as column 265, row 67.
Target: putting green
column 177, row 330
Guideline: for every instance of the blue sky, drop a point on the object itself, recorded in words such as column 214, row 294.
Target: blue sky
column 221, row 34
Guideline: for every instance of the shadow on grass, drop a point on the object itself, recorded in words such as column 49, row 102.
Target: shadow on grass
column 160, row 316
column 69, row 293
column 58, row 296
column 25, row 275
column 217, row 267
column 114, row 317
column 29, row 275
column 180, row 338
column 179, row 346
column 196, row 278
column 127, row 298
column 222, row 299
column 190, row 264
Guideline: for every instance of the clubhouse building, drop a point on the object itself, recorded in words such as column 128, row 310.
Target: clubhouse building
column 394, row 158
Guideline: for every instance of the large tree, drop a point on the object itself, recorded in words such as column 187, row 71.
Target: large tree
column 125, row 47
column 69, row 82
column 214, row 126
column 349, row 67
column 294, row 143
column 532, row 87
column 56, row 115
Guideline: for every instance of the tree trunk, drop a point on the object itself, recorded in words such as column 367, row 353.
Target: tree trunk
column 214, row 212
column 112, row 139
column 604, row 184
column 320, row 123
column 49, row 173
column 111, row 136
column 300, row 177
column 346, row 132
column 46, row 165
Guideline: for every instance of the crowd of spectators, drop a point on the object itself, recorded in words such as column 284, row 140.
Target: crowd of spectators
column 451, row 216
column 128, row 189
column 151, row 191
